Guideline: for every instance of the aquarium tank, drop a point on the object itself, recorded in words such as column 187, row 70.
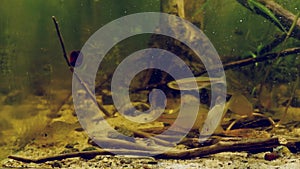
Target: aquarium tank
column 149, row 84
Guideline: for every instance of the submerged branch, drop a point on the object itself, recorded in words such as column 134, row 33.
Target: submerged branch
column 72, row 69
column 276, row 42
column 251, row 60
column 248, row 145
column 61, row 41
column 285, row 17
column 234, row 64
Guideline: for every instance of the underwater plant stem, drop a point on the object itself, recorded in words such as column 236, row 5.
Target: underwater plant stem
column 72, row 69
column 175, row 7
column 288, row 35
column 291, row 97
column 277, row 41
column 286, row 17
column 293, row 25
column 61, row 41
column 255, row 5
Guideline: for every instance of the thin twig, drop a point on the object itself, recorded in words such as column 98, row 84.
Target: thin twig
column 250, row 145
column 251, row 60
column 61, row 41
column 72, row 69
column 277, row 41
column 91, row 95
column 291, row 97
column 288, row 35
column 147, row 135
column 82, row 154
column 254, row 114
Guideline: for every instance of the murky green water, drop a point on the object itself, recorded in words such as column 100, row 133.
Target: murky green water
column 29, row 45
column 32, row 68
column 35, row 80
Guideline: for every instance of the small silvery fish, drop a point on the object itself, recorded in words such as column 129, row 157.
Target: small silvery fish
column 188, row 83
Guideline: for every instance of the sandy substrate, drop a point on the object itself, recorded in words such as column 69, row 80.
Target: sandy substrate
column 63, row 135
column 222, row 160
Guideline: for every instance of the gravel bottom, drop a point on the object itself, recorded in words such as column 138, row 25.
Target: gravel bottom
column 221, row 160
column 61, row 136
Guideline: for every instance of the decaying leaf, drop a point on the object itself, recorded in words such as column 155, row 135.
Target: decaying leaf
column 240, row 105
column 265, row 98
column 188, row 116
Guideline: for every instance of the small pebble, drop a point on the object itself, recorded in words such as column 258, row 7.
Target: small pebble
column 69, row 145
column 89, row 149
column 79, row 129
column 56, row 164
column 271, row 156
column 152, row 162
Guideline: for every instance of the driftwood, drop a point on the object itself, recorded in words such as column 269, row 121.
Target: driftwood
column 239, row 63
column 147, row 135
column 248, row 145
column 265, row 57
column 286, row 17
column 251, row 60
